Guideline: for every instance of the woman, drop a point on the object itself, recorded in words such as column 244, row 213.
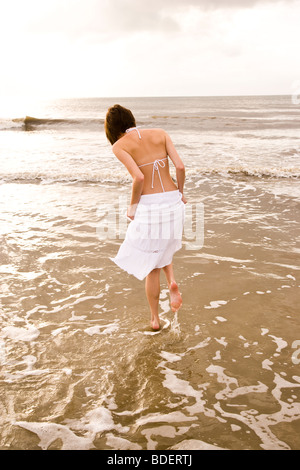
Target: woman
column 156, row 208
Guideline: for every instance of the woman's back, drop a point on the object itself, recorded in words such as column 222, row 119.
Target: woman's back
column 148, row 148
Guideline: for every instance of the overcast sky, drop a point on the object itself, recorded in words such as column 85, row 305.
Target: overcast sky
column 72, row 48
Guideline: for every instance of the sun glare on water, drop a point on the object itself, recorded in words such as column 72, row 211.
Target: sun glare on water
column 13, row 107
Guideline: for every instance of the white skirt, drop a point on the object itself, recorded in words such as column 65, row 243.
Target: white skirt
column 154, row 235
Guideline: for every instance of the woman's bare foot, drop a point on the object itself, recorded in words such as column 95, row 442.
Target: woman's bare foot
column 155, row 324
column 176, row 299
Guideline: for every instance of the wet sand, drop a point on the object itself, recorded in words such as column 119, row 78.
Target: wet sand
column 81, row 368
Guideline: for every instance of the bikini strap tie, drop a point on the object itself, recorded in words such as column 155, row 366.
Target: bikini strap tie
column 156, row 165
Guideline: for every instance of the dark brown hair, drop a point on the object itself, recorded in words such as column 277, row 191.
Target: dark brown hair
column 117, row 120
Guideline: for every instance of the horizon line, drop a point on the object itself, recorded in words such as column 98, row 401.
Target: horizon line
column 164, row 96
column 28, row 97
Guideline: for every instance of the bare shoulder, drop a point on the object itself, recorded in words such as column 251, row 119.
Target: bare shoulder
column 161, row 133
column 117, row 146
column 156, row 130
column 156, row 134
column 130, row 142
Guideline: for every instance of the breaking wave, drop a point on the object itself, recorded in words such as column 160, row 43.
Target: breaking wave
column 120, row 177
column 30, row 123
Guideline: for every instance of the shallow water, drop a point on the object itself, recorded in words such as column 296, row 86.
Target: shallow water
column 81, row 367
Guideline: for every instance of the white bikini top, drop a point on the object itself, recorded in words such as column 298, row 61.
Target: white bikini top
column 156, row 164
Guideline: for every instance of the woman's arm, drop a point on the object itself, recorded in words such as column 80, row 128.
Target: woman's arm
column 178, row 163
column 137, row 177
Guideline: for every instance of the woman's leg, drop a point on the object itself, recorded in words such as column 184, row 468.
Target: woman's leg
column 168, row 270
column 176, row 299
column 152, row 287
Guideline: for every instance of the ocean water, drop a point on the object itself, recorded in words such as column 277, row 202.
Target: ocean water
column 81, row 368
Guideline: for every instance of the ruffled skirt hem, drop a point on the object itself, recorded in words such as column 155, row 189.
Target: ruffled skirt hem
column 146, row 263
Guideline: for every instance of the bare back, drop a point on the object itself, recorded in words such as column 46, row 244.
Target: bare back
column 148, row 148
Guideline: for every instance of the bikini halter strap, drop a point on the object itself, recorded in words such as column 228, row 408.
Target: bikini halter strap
column 134, row 129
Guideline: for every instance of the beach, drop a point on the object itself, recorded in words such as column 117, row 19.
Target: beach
column 81, row 367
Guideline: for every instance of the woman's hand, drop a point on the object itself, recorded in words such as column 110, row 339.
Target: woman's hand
column 131, row 211
column 183, row 198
